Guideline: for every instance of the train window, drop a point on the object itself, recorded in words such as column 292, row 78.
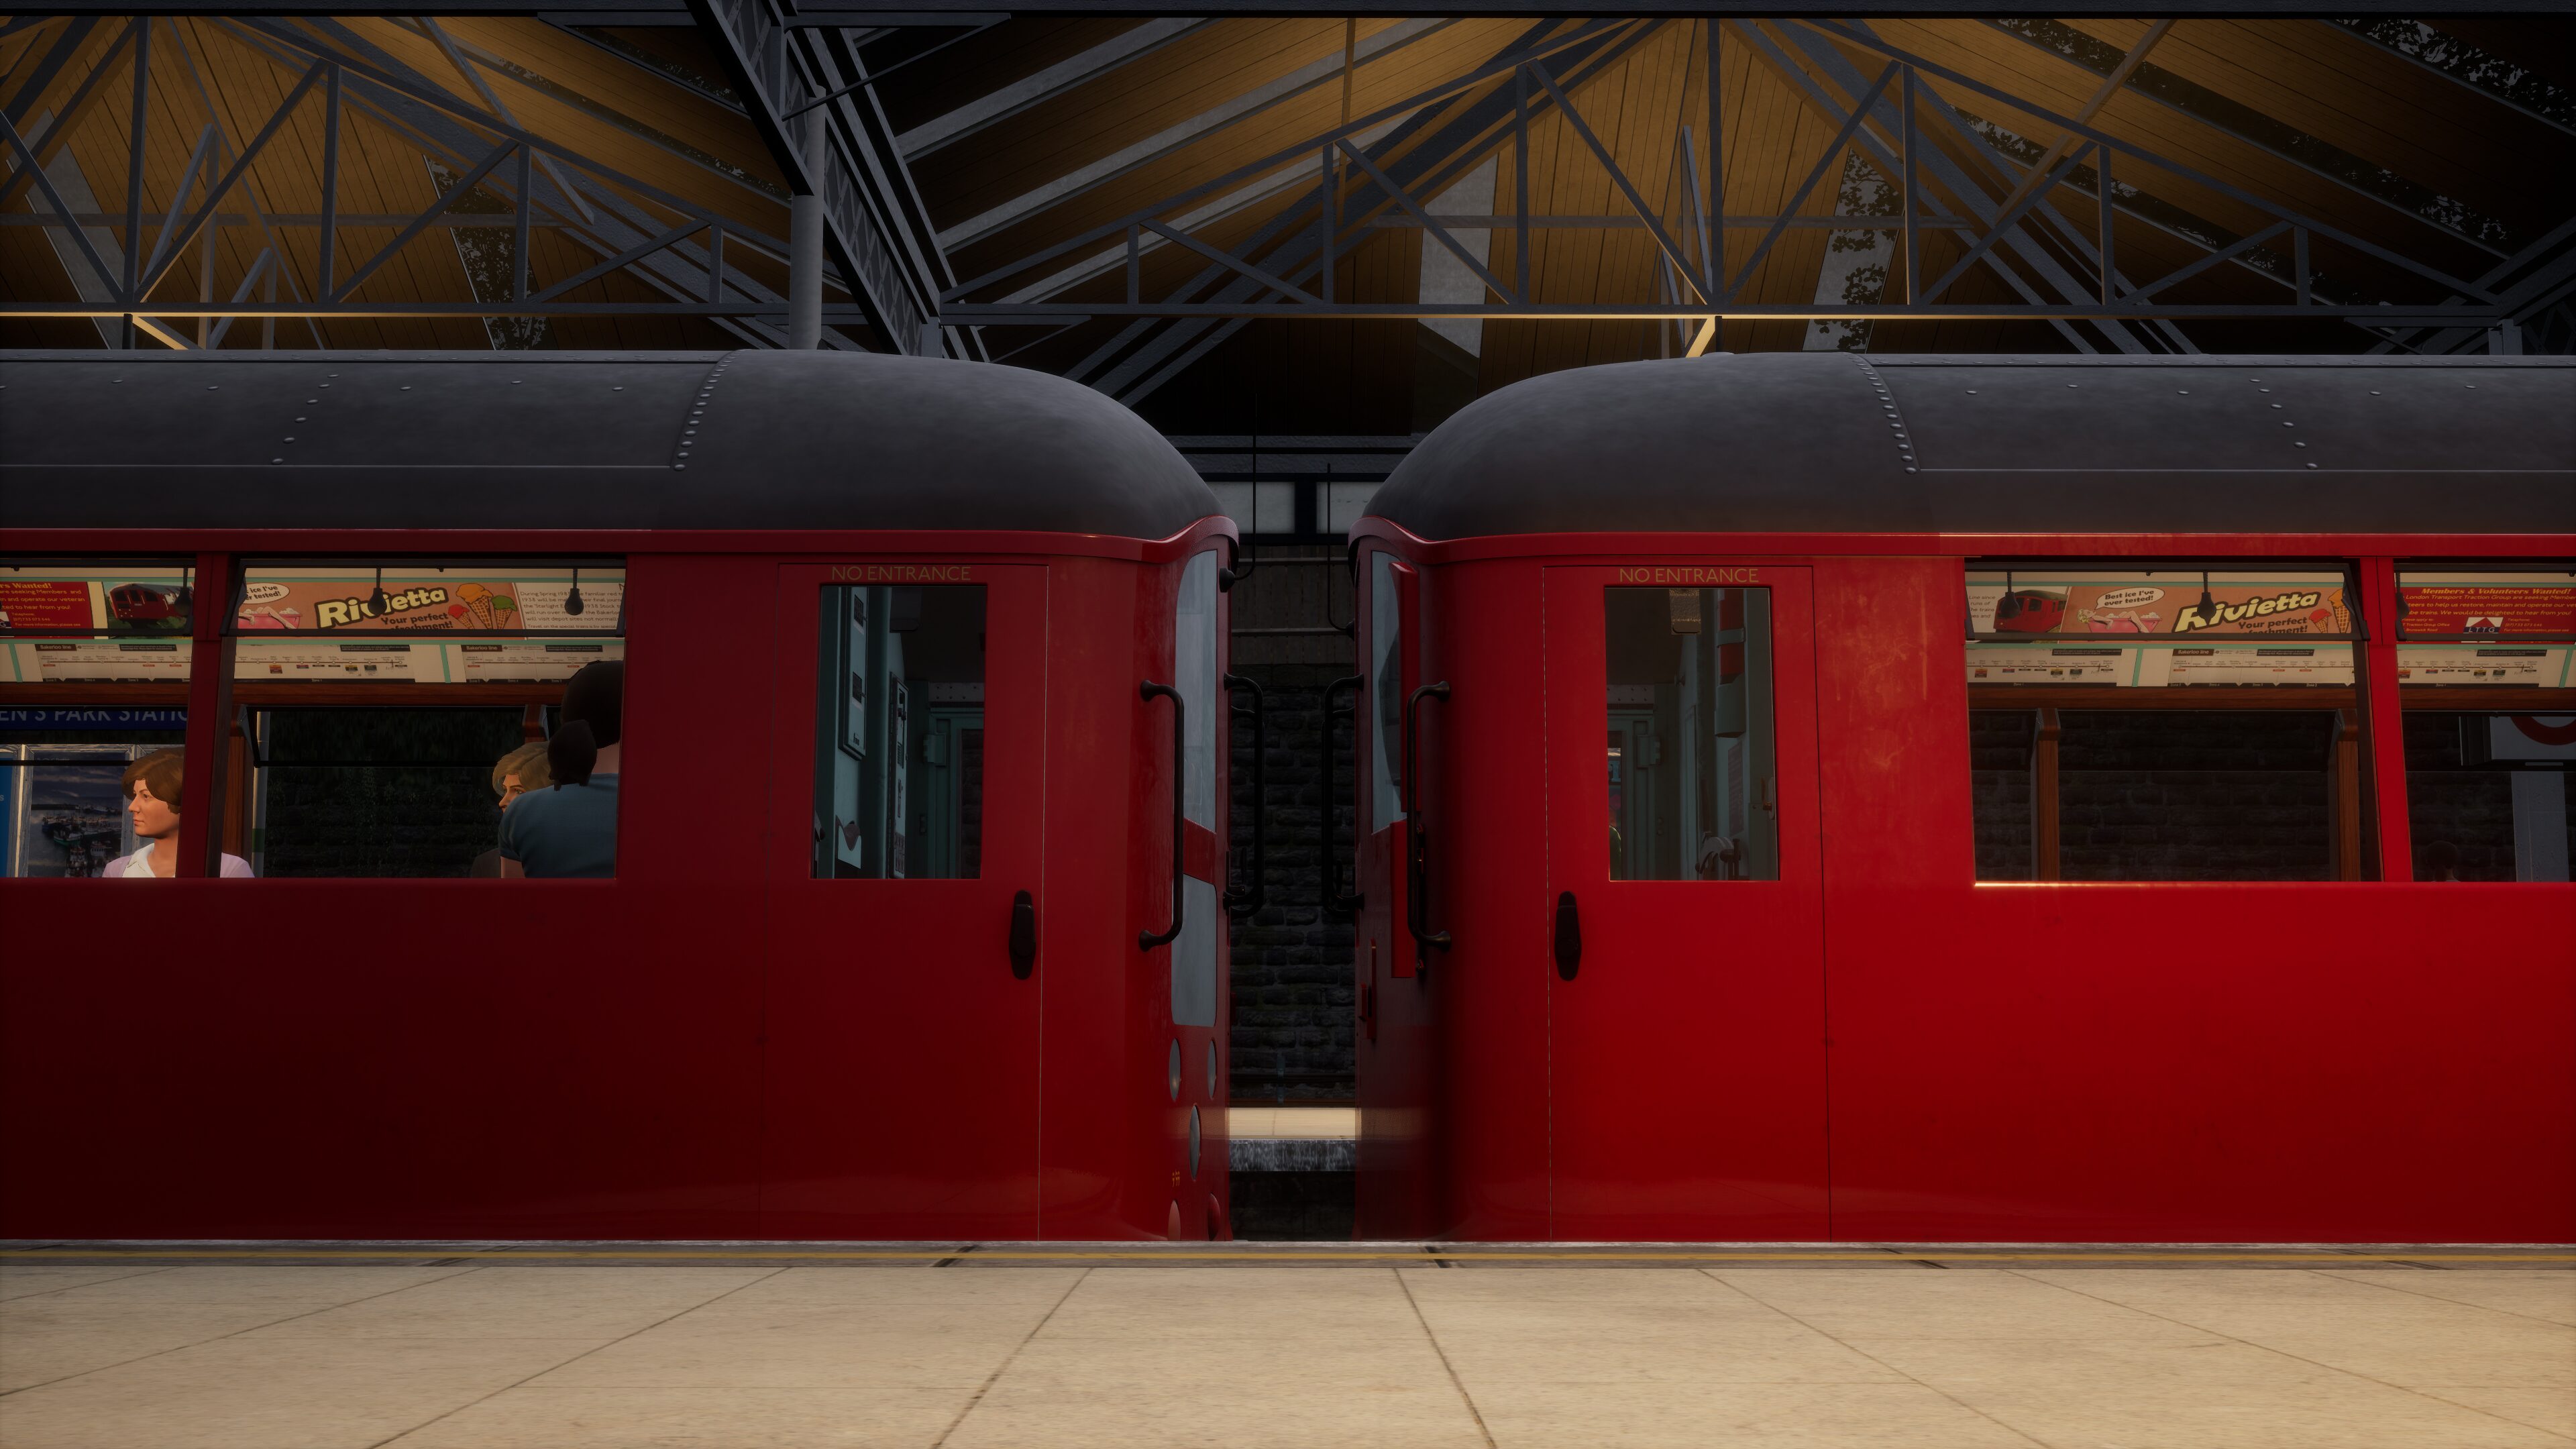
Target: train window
column 96, row 623
column 383, row 792
column 899, row 767
column 1194, row 669
column 395, row 711
column 62, row 802
column 2164, row 722
column 1693, row 787
column 2488, row 795
column 1386, row 693
column 2487, row 673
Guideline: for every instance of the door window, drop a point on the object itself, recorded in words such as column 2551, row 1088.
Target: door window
column 899, row 774
column 1194, row 671
column 1385, row 693
column 1692, row 776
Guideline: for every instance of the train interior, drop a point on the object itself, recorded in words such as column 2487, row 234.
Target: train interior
column 2137, row 723
column 373, row 701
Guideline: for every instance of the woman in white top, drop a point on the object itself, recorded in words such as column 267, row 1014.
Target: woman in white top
column 152, row 801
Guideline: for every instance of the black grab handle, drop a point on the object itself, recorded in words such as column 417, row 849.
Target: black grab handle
column 1251, row 898
column 1024, row 935
column 1150, row 691
column 1329, row 889
column 1569, row 936
column 1418, row 839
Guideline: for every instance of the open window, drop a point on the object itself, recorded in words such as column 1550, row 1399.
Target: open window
column 2165, row 722
column 2486, row 665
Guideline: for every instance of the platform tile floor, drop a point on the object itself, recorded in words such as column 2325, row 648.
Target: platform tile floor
column 1275, row 1349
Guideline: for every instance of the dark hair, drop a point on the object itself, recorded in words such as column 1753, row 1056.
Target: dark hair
column 593, row 718
column 160, row 770
column 2440, row 856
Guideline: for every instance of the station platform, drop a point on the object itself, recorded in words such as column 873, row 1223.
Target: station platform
column 562, row 1345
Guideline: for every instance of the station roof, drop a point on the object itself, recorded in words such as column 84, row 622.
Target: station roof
column 1023, row 170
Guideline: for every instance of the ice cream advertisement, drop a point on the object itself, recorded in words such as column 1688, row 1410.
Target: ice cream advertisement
column 353, row 603
column 2097, row 605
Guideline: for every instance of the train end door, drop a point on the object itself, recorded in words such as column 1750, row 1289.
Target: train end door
column 1394, row 971
column 1684, row 907
column 902, row 1011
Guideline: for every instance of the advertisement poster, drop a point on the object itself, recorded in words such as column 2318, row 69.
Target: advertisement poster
column 2438, row 604
column 342, row 601
column 134, row 602
column 2057, row 605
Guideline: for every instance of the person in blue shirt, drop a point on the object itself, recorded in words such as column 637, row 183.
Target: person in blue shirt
column 569, row 830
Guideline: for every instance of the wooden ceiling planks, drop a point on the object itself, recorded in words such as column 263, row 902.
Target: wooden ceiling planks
column 2054, row 82
column 1222, row 148
column 2326, row 82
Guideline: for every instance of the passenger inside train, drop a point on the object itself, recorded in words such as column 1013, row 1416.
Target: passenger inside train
column 152, row 787
column 568, row 830
column 513, row 775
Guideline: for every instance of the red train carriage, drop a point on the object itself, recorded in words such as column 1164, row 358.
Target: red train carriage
column 1819, row 796
column 916, row 922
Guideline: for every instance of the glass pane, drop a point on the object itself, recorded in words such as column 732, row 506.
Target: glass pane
column 899, row 759
column 66, row 808
column 382, row 792
column 1999, row 764
column 1386, row 694
column 2487, row 795
column 1194, row 675
column 1694, row 793
column 2196, row 795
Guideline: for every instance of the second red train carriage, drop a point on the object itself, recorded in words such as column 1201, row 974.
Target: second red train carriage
column 1825, row 797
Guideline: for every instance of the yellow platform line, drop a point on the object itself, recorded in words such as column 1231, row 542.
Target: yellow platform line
column 1150, row 1255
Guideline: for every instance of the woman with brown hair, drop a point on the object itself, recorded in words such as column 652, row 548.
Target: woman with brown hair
column 152, row 803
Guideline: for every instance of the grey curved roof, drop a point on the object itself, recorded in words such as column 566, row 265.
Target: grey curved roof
column 792, row 440
column 1845, row 442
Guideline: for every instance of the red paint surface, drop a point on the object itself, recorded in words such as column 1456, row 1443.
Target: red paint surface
column 2364, row 1061
column 710, row 1045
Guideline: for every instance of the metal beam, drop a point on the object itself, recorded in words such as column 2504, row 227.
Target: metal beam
column 777, row 68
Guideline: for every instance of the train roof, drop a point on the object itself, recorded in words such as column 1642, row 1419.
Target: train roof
column 741, row 440
column 1829, row 442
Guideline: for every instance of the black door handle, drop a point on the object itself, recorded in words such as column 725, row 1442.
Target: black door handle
column 1149, row 691
column 1024, row 935
column 1569, row 936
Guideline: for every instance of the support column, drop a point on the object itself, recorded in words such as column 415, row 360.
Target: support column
column 805, row 245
